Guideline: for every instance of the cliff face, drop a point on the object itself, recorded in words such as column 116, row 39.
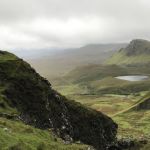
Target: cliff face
column 26, row 94
column 137, row 47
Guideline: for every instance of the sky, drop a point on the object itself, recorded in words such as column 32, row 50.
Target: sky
column 42, row 24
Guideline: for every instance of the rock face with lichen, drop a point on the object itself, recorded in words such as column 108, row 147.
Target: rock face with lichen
column 37, row 104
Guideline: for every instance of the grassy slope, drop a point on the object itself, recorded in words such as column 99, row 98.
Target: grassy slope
column 120, row 58
column 16, row 135
column 99, row 79
column 134, row 122
column 93, row 72
column 135, row 119
column 109, row 104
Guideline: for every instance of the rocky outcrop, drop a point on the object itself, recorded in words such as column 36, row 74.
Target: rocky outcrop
column 41, row 106
column 137, row 47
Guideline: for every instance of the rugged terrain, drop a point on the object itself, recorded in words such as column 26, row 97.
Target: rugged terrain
column 27, row 100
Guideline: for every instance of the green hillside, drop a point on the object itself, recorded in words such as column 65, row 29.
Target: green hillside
column 135, row 119
column 137, row 53
column 34, row 116
column 90, row 73
column 100, row 79
column 15, row 135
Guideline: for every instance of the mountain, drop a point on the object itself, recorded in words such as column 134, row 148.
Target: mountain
column 58, row 63
column 137, row 52
column 26, row 98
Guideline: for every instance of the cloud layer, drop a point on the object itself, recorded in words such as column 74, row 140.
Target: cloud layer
column 36, row 24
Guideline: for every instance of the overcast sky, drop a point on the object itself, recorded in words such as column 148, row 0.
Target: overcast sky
column 71, row 23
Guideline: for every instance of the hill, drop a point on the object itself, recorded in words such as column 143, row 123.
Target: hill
column 136, row 53
column 52, row 63
column 27, row 100
column 93, row 72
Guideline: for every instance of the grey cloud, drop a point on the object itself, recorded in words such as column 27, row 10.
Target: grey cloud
column 69, row 23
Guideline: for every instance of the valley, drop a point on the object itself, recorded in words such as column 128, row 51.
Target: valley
column 111, row 100
column 114, row 89
column 55, row 63
column 74, row 75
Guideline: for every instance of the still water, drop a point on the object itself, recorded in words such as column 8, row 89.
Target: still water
column 133, row 78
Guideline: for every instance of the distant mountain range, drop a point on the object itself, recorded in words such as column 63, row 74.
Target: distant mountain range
column 59, row 62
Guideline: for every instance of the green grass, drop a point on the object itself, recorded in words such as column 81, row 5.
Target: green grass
column 107, row 85
column 4, row 56
column 112, row 85
column 72, row 89
column 93, row 72
column 120, row 58
column 134, row 122
column 108, row 104
column 14, row 135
